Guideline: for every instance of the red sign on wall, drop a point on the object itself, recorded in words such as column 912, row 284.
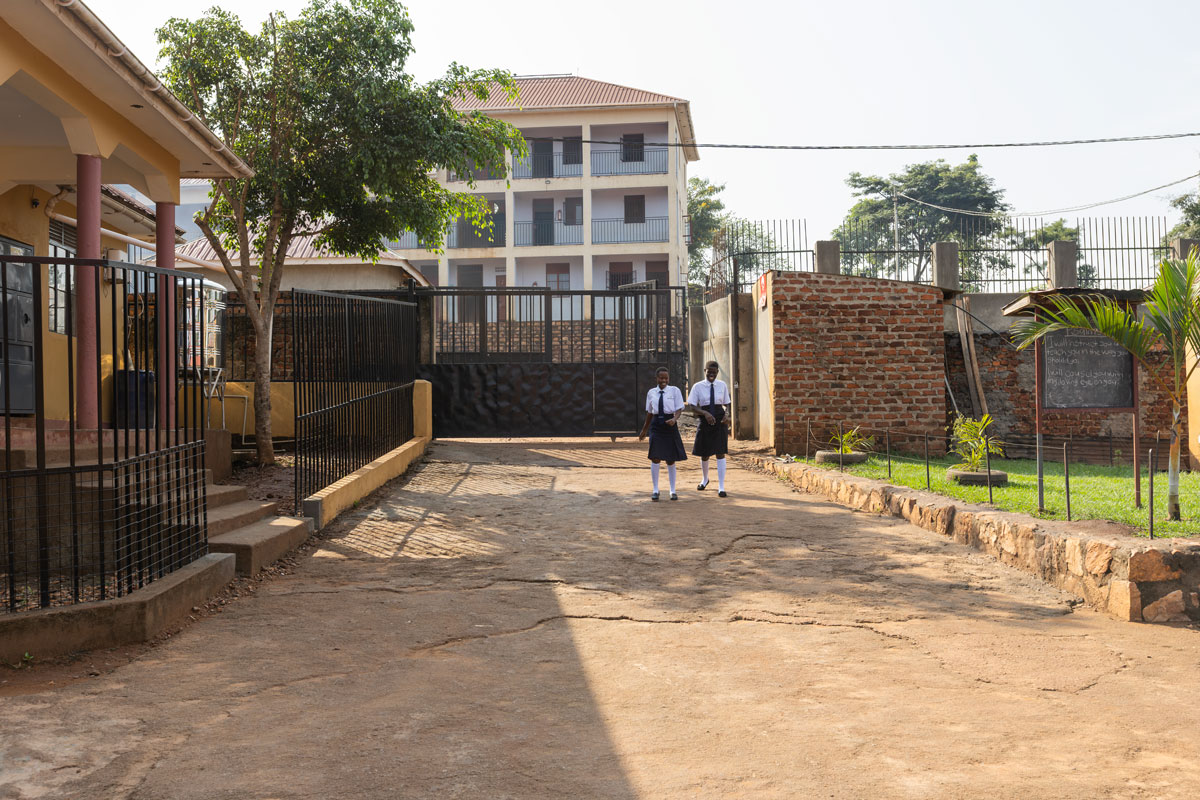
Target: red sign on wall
column 762, row 290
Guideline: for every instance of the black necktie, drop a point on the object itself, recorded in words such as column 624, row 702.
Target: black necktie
column 660, row 401
column 712, row 393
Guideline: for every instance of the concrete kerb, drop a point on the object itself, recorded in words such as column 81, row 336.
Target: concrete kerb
column 136, row 617
column 1129, row 578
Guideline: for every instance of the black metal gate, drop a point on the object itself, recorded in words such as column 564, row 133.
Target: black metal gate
column 543, row 362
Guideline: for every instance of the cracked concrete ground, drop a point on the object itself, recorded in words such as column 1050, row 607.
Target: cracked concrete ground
column 517, row 620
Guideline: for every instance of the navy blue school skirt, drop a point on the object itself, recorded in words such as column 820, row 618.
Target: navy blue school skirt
column 712, row 440
column 665, row 442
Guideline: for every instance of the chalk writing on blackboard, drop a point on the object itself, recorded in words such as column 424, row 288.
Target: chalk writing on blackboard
column 1085, row 370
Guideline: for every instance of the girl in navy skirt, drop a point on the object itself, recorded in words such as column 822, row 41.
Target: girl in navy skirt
column 664, row 404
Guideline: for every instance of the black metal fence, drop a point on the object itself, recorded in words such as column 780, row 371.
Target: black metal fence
column 541, row 325
column 745, row 249
column 354, row 360
column 996, row 254
column 241, row 344
column 102, row 484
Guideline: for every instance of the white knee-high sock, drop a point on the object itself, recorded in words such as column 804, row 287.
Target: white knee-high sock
column 654, row 476
column 720, row 474
column 671, row 476
column 704, row 471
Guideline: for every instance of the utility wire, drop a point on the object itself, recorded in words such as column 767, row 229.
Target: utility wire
column 1006, row 214
column 944, row 146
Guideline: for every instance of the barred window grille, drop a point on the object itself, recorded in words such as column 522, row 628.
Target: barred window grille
column 63, row 244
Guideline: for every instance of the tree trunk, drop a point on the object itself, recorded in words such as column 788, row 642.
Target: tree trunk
column 1173, row 469
column 262, row 388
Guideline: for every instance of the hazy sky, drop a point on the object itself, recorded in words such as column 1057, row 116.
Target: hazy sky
column 848, row 73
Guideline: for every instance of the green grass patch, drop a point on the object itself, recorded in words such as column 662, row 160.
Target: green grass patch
column 1097, row 492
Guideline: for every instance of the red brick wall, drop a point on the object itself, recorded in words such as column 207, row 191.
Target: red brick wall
column 859, row 351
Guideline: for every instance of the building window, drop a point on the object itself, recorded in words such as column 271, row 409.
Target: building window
column 573, row 211
column 633, row 147
column 635, row 208
column 572, row 150
column 62, row 245
column 558, row 276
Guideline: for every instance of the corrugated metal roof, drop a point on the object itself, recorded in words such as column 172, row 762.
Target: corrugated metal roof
column 563, row 91
column 301, row 247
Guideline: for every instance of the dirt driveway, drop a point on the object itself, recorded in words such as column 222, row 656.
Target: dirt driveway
column 517, row 620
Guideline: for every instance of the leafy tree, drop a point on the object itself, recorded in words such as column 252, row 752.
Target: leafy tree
column 1189, row 226
column 869, row 234
column 707, row 213
column 342, row 141
column 1169, row 321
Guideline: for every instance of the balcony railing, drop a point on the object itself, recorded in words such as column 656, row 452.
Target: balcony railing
column 464, row 234
column 618, row 231
column 481, row 174
column 530, row 234
column 550, row 165
column 630, row 161
column 407, row 241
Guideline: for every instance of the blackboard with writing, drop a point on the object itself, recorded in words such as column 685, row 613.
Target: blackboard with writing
column 1085, row 370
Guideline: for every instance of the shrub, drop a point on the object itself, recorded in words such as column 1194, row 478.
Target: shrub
column 969, row 439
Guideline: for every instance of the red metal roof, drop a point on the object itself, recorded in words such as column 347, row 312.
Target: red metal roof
column 563, row 91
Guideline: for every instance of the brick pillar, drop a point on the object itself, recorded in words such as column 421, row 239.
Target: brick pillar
column 945, row 265
column 164, row 256
column 829, row 257
column 87, row 212
column 1064, row 269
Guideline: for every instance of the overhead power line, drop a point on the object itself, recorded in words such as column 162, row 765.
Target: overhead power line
column 974, row 213
column 943, row 146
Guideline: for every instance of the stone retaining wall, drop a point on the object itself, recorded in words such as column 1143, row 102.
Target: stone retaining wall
column 1130, row 578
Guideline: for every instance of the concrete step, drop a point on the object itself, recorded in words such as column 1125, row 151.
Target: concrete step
column 219, row 495
column 260, row 543
column 224, row 519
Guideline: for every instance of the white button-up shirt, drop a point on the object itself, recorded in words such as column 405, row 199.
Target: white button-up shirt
column 703, row 391
column 672, row 400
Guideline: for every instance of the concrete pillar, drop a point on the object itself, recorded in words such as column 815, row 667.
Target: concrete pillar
column 589, row 275
column 443, row 270
column 510, row 269
column 585, row 186
column 87, row 213
column 829, row 258
column 1181, row 247
column 164, row 256
column 510, row 227
column 945, row 265
column 1064, row 269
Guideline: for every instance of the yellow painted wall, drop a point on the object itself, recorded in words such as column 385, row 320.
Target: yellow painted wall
column 283, row 408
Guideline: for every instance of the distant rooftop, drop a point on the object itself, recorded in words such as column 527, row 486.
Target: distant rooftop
column 558, row 91
column 536, row 92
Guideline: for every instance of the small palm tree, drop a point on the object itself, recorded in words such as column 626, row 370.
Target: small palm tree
column 1169, row 320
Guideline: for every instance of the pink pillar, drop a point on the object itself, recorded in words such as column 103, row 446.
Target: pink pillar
column 87, row 213
column 164, row 256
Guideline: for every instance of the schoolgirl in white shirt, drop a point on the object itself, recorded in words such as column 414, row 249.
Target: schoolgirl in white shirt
column 664, row 404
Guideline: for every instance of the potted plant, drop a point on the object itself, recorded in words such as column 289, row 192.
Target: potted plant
column 849, row 447
column 970, row 440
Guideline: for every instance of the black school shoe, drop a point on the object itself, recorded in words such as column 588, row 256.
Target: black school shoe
column 721, row 494
column 654, row 497
column 700, row 486
column 674, row 496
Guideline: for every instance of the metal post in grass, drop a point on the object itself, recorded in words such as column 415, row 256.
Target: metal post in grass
column 1067, row 475
column 927, row 486
column 841, row 448
column 887, row 443
column 987, row 452
column 1150, row 461
column 807, row 438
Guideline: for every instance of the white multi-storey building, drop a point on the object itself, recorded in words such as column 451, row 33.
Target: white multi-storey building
column 600, row 200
